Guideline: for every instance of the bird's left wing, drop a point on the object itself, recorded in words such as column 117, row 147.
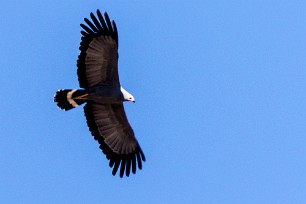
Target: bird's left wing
column 109, row 125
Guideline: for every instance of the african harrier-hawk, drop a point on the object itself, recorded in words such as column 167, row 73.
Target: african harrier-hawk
column 104, row 96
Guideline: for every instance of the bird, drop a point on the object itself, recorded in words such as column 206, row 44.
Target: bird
column 103, row 95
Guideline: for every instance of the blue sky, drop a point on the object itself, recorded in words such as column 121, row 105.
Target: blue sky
column 220, row 112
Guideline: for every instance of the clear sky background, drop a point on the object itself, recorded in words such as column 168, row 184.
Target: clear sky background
column 220, row 111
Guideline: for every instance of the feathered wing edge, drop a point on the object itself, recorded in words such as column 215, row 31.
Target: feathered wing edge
column 97, row 27
column 116, row 161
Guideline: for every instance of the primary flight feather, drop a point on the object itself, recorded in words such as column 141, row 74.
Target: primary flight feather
column 104, row 96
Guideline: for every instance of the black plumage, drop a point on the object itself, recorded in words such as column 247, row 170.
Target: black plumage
column 97, row 70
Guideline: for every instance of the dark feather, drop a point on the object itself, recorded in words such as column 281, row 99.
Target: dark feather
column 103, row 67
column 108, row 22
column 101, row 19
column 122, row 168
column 94, row 115
column 98, row 65
column 91, row 25
column 117, row 163
column 88, row 30
column 134, row 164
column 139, row 160
column 115, row 32
column 128, row 166
column 96, row 22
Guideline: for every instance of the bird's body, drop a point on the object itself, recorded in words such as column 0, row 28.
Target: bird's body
column 107, row 94
column 103, row 95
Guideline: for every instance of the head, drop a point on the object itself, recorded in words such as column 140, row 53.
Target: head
column 127, row 96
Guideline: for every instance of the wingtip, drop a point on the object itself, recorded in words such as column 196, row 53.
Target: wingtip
column 142, row 155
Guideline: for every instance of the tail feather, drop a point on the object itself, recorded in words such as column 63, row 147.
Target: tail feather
column 67, row 99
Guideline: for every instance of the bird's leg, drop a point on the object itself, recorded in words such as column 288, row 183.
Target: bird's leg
column 83, row 97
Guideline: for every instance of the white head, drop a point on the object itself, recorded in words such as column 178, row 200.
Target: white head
column 126, row 95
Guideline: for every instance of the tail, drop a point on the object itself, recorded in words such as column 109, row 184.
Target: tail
column 67, row 99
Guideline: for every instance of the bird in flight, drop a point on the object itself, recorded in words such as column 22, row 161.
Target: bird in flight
column 103, row 94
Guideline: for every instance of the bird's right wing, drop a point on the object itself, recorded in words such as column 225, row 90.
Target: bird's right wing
column 98, row 59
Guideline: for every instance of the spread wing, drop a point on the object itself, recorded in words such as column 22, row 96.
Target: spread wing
column 98, row 59
column 109, row 125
